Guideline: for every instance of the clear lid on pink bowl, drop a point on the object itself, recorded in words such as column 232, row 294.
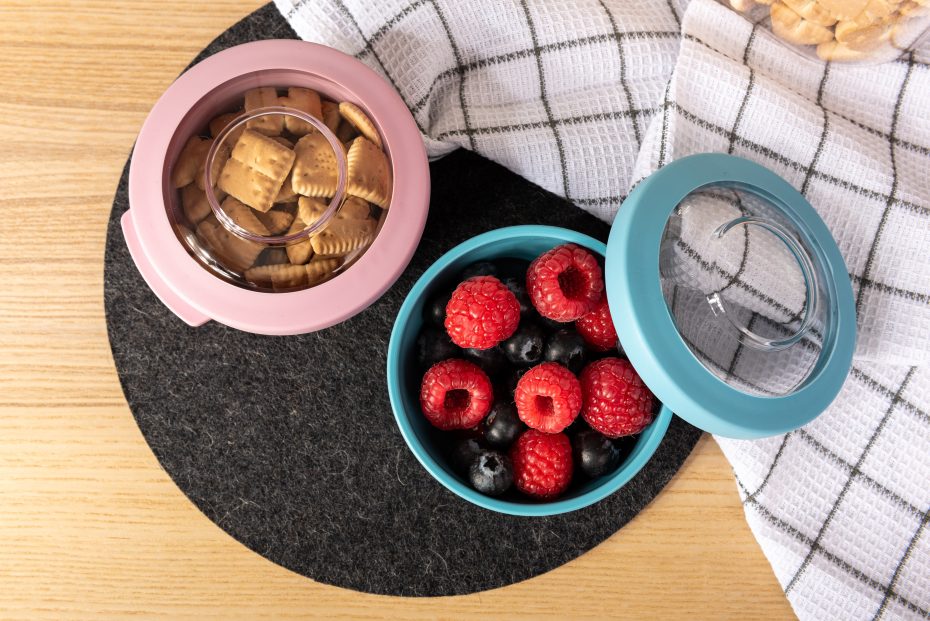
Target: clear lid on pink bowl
column 155, row 227
column 269, row 206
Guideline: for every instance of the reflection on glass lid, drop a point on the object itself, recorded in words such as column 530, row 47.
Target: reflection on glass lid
column 744, row 290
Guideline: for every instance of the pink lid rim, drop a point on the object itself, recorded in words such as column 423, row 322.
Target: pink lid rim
column 300, row 311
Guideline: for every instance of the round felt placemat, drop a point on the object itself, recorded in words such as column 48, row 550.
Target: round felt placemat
column 289, row 443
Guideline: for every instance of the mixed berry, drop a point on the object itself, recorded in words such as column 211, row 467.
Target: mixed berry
column 522, row 368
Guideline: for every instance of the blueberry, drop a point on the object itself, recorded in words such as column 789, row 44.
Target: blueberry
column 434, row 345
column 435, row 310
column 492, row 361
column 568, row 349
column 464, row 453
column 482, row 268
column 525, row 347
column 491, row 473
column 595, row 454
column 578, row 425
column 515, row 268
column 551, row 324
column 517, row 285
column 511, row 380
column 502, row 425
column 626, row 444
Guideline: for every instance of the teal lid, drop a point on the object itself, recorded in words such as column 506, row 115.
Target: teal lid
column 730, row 296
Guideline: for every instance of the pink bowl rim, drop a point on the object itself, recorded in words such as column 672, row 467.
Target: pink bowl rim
column 299, row 311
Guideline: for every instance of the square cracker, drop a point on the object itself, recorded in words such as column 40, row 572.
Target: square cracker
column 342, row 236
column 331, row 116
column 369, row 174
column 360, row 121
column 310, row 209
column 305, row 100
column 300, row 252
column 315, row 172
column 354, row 208
column 218, row 124
column 277, row 220
column 244, row 216
column 248, row 185
column 265, row 155
column 270, row 125
column 219, row 160
column 320, row 268
column 190, row 161
column 287, row 193
column 277, row 276
column 229, row 250
column 194, row 204
column 256, row 170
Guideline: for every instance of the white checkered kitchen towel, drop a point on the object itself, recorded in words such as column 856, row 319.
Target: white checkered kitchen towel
column 585, row 98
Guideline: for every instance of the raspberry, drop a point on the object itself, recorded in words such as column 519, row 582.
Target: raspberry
column 548, row 397
column 564, row 283
column 597, row 327
column 455, row 394
column 616, row 402
column 481, row 313
column 542, row 463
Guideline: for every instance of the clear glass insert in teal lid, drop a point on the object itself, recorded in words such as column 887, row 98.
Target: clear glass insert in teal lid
column 730, row 296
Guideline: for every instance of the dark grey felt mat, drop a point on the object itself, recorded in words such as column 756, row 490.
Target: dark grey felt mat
column 289, row 444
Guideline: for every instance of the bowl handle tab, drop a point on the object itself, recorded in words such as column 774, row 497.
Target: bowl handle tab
column 169, row 298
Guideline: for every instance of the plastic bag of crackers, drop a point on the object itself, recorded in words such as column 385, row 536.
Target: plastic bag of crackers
column 284, row 192
column 856, row 31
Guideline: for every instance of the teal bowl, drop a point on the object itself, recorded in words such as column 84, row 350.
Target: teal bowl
column 520, row 242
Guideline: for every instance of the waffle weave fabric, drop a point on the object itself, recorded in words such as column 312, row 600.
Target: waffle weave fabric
column 587, row 98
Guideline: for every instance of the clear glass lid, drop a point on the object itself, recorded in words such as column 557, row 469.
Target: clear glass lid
column 744, row 288
column 243, row 158
column 278, row 189
column 730, row 296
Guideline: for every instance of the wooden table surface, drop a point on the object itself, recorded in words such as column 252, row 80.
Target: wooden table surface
column 90, row 525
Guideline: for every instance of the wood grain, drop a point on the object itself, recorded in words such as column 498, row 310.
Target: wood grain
column 90, row 525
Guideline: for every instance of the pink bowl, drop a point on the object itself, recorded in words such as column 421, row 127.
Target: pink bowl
column 183, row 285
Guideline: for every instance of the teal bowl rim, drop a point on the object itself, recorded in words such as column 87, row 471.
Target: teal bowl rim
column 645, row 448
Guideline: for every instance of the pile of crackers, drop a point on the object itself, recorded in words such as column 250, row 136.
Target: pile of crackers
column 275, row 176
column 844, row 30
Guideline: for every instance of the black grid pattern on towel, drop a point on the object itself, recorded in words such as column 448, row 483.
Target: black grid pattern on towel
column 891, row 200
column 887, row 588
column 544, row 93
column 465, row 65
column 895, row 396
